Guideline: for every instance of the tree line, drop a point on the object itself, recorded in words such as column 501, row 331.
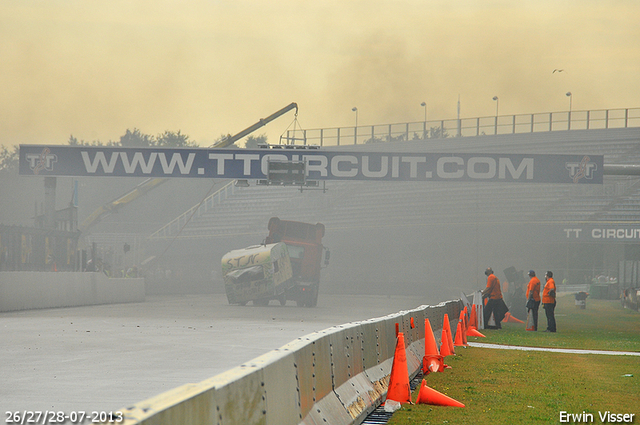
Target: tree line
column 130, row 139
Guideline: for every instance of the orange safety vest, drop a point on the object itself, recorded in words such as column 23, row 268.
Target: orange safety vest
column 534, row 285
column 548, row 287
column 493, row 288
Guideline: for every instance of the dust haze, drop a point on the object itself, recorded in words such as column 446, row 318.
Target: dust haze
column 206, row 68
column 93, row 70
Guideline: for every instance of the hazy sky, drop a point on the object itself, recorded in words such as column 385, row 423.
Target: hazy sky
column 94, row 68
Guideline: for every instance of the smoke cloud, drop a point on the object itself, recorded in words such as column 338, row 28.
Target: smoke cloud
column 95, row 69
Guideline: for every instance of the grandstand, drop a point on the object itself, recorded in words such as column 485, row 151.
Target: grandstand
column 352, row 204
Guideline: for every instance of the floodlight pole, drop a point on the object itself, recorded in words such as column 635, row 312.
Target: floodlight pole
column 355, row 129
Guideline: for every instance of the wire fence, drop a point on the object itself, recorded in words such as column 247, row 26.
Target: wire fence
column 467, row 127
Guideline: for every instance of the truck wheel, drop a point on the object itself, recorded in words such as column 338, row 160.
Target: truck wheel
column 313, row 298
column 300, row 303
column 283, row 299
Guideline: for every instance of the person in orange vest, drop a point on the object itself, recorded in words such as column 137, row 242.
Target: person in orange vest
column 549, row 301
column 533, row 297
column 495, row 303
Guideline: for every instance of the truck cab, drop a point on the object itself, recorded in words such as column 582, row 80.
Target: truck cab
column 304, row 243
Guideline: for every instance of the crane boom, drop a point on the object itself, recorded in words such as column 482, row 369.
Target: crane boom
column 152, row 183
column 119, row 202
column 263, row 121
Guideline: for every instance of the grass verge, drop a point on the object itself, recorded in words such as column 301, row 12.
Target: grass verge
column 519, row 387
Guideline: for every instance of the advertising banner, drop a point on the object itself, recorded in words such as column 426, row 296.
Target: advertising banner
column 320, row 164
column 599, row 233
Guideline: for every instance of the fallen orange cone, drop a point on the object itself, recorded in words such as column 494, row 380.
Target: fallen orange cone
column 399, row 389
column 472, row 331
column 510, row 318
column 432, row 363
column 427, row 395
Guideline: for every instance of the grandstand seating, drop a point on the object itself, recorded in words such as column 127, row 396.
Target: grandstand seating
column 349, row 204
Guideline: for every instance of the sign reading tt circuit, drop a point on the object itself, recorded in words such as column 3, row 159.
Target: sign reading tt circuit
column 320, row 164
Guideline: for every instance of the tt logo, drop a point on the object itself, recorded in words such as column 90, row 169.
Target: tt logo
column 582, row 169
column 42, row 161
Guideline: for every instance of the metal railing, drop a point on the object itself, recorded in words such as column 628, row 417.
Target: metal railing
column 174, row 226
column 468, row 127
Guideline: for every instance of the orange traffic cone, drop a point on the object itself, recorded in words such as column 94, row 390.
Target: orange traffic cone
column 430, row 345
column 450, row 337
column 459, row 332
column 474, row 332
column 473, row 321
column 447, row 325
column 508, row 317
column 432, row 360
column 399, row 389
column 446, row 344
column 427, row 395
column 458, row 341
column 463, row 319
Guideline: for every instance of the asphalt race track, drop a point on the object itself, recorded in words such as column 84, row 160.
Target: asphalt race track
column 104, row 358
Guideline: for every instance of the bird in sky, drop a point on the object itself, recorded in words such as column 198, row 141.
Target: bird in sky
column 557, row 70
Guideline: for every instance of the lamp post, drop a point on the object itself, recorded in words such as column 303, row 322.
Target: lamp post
column 497, row 107
column 355, row 130
column 424, row 130
column 570, row 96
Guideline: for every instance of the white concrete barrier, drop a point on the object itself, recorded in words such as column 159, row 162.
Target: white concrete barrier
column 32, row 290
column 336, row 376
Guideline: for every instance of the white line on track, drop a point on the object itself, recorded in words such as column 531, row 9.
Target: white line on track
column 554, row 350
